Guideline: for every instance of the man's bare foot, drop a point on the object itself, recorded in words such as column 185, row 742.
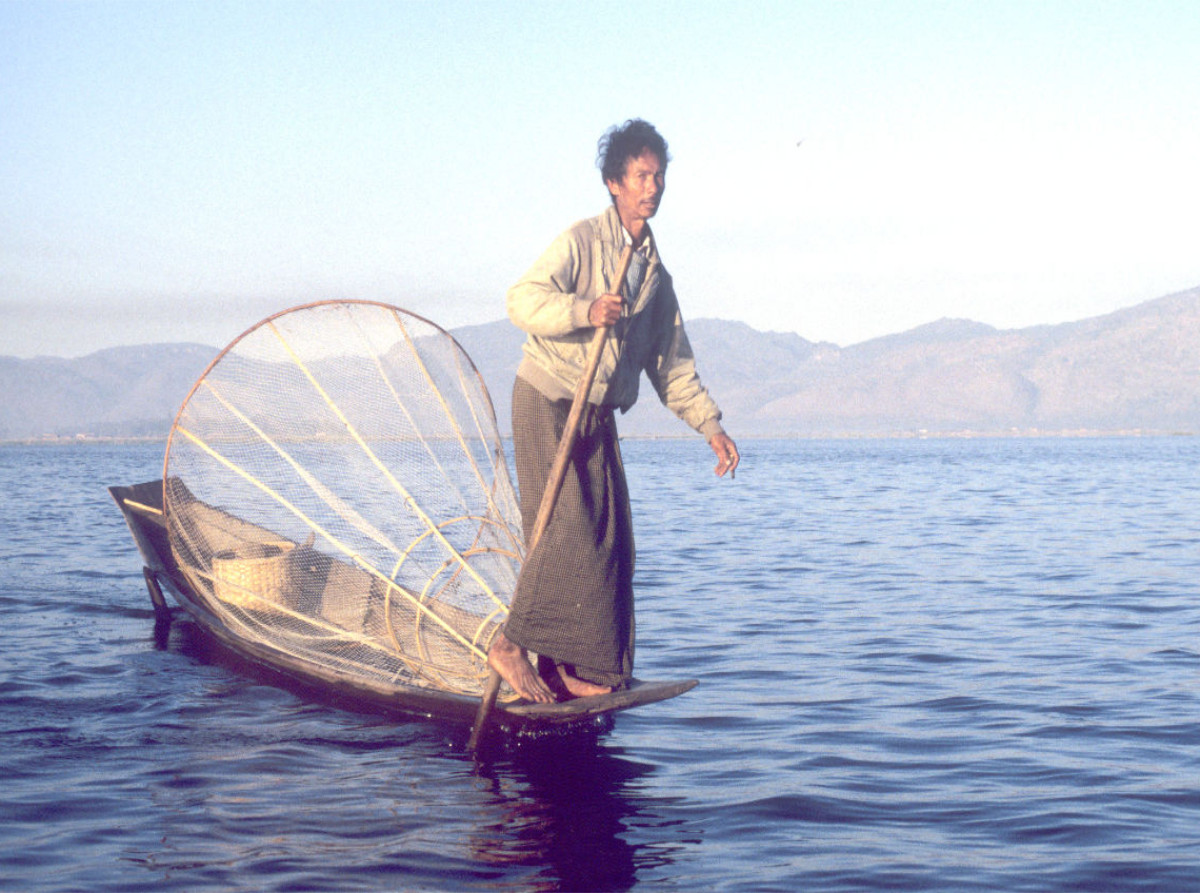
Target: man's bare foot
column 512, row 663
column 564, row 683
column 579, row 687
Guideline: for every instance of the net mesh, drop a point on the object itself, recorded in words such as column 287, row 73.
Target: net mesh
column 335, row 486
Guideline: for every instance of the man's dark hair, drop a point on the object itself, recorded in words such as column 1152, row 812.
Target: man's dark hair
column 623, row 142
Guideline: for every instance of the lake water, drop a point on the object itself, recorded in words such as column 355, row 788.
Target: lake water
column 924, row 664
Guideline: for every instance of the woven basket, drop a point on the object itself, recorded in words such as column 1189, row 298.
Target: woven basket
column 256, row 576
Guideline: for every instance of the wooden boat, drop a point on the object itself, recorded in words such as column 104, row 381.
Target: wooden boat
column 142, row 506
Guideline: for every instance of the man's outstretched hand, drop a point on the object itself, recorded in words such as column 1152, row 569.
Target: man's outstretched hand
column 727, row 454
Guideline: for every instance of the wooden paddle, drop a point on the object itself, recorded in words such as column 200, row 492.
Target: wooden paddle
column 558, row 473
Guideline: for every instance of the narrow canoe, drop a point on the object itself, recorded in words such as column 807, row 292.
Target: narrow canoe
column 142, row 504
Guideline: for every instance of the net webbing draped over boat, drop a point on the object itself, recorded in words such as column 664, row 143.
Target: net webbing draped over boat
column 335, row 487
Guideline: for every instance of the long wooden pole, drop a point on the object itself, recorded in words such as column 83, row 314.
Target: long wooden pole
column 558, row 473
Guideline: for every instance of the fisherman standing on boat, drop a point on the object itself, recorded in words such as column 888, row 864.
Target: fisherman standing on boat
column 573, row 605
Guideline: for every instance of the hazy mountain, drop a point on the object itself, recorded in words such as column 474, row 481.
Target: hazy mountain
column 118, row 392
column 1136, row 369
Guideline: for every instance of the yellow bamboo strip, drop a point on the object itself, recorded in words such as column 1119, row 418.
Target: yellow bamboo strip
column 142, row 507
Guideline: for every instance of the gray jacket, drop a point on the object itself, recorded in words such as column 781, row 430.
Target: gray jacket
column 551, row 303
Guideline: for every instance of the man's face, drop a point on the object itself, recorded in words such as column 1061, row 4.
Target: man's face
column 639, row 192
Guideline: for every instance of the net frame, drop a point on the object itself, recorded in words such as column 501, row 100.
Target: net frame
column 428, row 613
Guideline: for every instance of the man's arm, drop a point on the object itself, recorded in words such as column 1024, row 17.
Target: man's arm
column 545, row 301
column 674, row 376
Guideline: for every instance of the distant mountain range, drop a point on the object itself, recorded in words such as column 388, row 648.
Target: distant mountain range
column 1135, row 370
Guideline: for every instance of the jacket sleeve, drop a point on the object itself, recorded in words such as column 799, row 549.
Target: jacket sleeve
column 672, row 370
column 546, row 301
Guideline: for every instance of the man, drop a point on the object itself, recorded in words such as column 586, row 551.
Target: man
column 574, row 600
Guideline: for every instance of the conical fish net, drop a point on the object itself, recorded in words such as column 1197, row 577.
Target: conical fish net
column 335, row 487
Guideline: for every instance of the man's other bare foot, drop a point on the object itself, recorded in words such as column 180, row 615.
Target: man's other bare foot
column 580, row 688
column 564, row 683
column 512, row 663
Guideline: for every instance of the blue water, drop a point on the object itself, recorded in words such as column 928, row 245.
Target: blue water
column 942, row 664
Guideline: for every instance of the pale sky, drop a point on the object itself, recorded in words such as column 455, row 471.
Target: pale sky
column 176, row 171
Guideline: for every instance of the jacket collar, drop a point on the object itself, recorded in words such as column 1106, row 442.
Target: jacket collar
column 615, row 232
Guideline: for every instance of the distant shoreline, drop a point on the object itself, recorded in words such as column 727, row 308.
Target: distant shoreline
column 1032, row 434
